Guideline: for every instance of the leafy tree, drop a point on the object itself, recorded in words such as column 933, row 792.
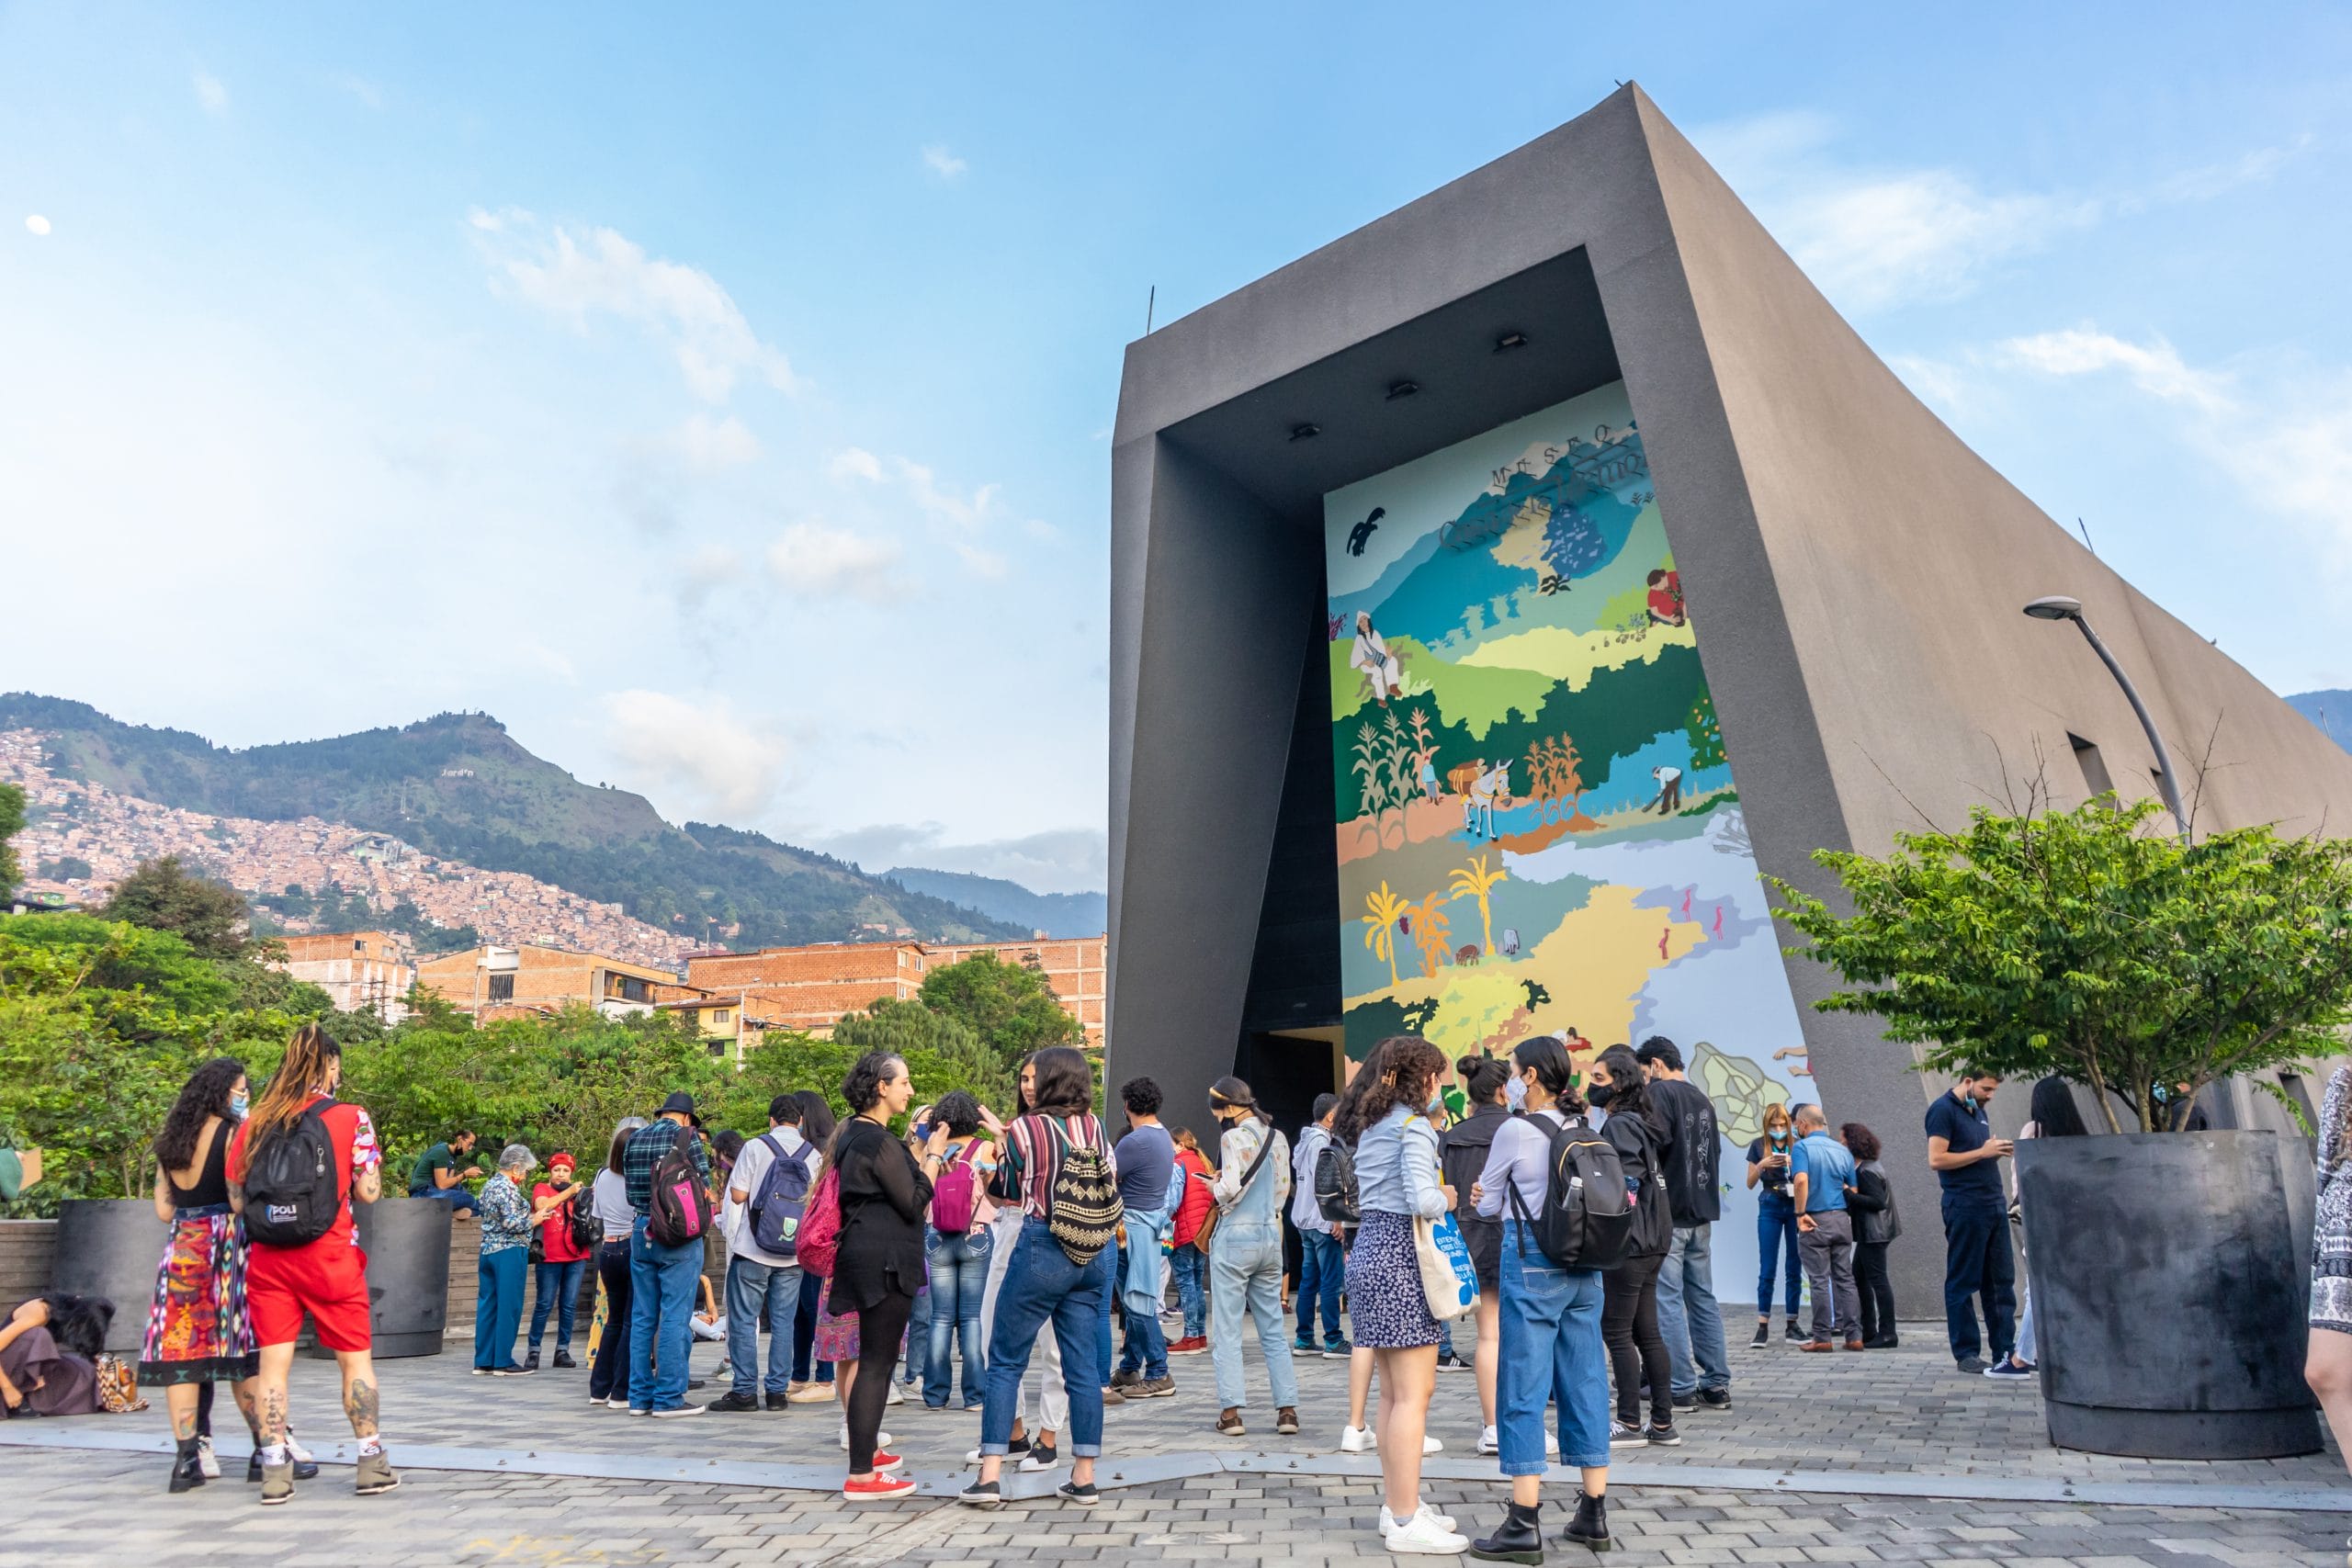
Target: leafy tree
column 12, row 822
column 1009, row 1006
column 1706, row 733
column 2082, row 944
column 164, row 895
column 64, row 868
column 943, row 1052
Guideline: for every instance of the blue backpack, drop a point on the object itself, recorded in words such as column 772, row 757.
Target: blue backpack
column 778, row 1205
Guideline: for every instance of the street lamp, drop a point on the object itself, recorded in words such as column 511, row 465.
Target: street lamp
column 2061, row 607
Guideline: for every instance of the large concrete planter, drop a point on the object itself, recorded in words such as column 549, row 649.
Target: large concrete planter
column 407, row 1243
column 111, row 1247
column 2171, row 1277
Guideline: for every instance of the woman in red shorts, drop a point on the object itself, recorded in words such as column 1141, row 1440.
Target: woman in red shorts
column 326, row 1278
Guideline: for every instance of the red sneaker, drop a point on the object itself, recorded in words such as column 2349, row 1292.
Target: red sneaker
column 878, row 1488
column 1192, row 1346
column 884, row 1463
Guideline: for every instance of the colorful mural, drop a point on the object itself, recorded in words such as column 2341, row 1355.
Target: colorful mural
column 1538, row 831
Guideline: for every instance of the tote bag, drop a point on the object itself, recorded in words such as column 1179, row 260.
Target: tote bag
column 1447, row 1278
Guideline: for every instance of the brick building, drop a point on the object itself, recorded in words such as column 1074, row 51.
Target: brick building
column 498, row 981
column 1072, row 966
column 363, row 971
column 812, row 988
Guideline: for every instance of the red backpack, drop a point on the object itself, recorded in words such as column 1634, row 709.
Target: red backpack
column 821, row 1226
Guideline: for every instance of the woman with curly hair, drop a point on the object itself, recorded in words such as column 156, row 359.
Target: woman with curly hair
column 1387, row 1114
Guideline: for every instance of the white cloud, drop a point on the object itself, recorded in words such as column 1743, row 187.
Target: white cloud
column 724, row 765
column 942, row 163
column 709, row 568
column 983, row 563
column 36, row 224
column 943, row 505
column 601, row 271
column 210, row 92
column 2155, row 366
column 359, row 87
column 552, row 661
column 1038, row 528
column 2306, row 464
column 1874, row 243
column 811, row 559
column 706, row 446
column 1063, row 860
column 2218, row 179
column 855, row 463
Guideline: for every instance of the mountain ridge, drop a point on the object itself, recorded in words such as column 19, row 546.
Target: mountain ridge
column 458, row 787
column 1056, row 914
column 2330, row 710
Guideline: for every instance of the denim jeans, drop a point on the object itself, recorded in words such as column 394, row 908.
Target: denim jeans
column 1551, row 1350
column 610, row 1375
column 1977, row 1262
column 1042, row 1286
column 557, row 1286
column 760, row 1293
column 804, row 1333
column 1190, row 1271
column 1776, row 1232
column 1145, row 1348
column 1322, row 1270
column 498, row 1305
column 1687, row 1314
column 662, row 1304
column 959, row 1274
column 460, row 1202
column 1246, row 1262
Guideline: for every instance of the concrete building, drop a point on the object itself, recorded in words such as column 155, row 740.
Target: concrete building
column 730, row 1024
column 814, row 988
column 494, row 981
column 370, row 971
column 1458, row 565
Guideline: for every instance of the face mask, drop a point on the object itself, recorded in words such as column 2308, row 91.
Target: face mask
column 1515, row 1094
column 237, row 1106
column 1437, row 1103
column 1598, row 1096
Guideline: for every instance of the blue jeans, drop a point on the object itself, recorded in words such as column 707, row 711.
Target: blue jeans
column 1146, row 1347
column 460, row 1202
column 1977, row 1263
column 1041, row 1285
column 1322, row 1270
column 760, row 1293
column 1551, row 1350
column 959, row 1271
column 498, row 1305
column 661, row 1312
column 1776, row 1231
column 1687, row 1314
column 1246, row 1261
column 558, row 1287
column 804, row 1333
column 1187, row 1264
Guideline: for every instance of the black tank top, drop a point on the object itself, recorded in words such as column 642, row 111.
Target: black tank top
column 211, row 1187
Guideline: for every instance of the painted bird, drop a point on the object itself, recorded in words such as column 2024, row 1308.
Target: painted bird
column 1361, row 535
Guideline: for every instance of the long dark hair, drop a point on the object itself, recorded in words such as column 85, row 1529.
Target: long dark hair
column 2053, row 1106
column 1482, row 1078
column 205, row 1094
column 302, row 1072
column 1552, row 1069
column 1065, row 1083
column 816, row 1117
column 79, row 1324
column 1401, row 1071
column 1232, row 1094
column 1628, row 1094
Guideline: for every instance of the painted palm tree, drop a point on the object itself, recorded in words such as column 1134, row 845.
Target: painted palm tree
column 1380, row 926
column 1476, row 880
column 1431, row 930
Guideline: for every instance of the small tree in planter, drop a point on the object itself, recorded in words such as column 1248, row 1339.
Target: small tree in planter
column 2167, row 1270
column 2086, row 944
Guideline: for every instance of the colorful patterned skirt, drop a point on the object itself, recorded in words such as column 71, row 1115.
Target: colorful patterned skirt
column 198, row 1330
column 836, row 1336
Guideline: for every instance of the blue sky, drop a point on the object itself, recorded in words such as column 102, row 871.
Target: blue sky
column 723, row 402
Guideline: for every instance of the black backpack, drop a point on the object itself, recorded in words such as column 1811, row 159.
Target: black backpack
column 587, row 1229
column 293, row 1192
column 679, row 1209
column 1587, row 1216
column 1335, row 1184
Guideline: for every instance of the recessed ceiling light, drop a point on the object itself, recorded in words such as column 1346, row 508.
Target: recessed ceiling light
column 1304, row 432
column 1402, row 390
column 1510, row 340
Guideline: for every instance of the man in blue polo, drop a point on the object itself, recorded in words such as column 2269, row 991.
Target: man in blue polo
column 1819, row 1172
column 1963, row 1153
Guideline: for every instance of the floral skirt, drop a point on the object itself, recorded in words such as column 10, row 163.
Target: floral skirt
column 1389, row 1309
column 198, row 1330
column 836, row 1336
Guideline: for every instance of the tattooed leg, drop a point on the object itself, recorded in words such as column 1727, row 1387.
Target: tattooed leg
column 273, row 1415
column 249, row 1404
column 360, row 1398
column 276, row 1366
column 180, row 1400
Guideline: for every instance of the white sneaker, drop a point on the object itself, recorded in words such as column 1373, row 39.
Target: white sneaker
column 1430, row 1445
column 1388, row 1525
column 1551, row 1445
column 896, row 1397
column 617, row 1402
column 1421, row 1537
column 881, row 1439
column 1358, row 1441
column 206, row 1460
column 299, row 1454
column 1487, row 1442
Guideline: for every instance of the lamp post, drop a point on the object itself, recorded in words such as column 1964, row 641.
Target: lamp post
column 2062, row 607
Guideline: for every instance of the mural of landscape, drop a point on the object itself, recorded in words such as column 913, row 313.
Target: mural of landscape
column 1537, row 828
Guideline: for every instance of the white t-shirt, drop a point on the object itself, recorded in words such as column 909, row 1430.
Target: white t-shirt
column 751, row 1170
column 610, row 1195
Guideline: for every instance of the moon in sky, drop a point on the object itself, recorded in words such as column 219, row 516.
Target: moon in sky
column 36, row 224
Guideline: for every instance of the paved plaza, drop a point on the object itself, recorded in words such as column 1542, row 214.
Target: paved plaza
column 1889, row 1457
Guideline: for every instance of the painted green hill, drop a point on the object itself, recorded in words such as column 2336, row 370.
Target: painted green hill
column 459, row 786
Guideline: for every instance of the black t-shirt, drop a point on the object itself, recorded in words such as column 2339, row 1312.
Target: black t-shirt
column 1691, row 1153
column 1965, row 1127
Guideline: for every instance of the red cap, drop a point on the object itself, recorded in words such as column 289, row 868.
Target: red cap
column 557, row 1159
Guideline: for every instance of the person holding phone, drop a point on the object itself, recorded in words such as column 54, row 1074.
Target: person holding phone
column 1776, row 1221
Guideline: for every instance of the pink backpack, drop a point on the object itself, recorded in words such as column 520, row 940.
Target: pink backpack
column 956, row 1196
column 821, row 1226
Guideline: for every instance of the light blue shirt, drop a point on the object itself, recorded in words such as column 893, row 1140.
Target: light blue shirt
column 1826, row 1167
column 1396, row 1167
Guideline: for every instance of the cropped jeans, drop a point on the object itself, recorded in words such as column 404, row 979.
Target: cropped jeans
column 959, row 1276
column 1246, row 1261
column 1043, row 1288
column 1551, row 1351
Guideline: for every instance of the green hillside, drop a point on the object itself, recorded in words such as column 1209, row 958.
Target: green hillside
column 459, row 786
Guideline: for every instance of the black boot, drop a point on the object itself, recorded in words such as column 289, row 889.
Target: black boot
column 1520, row 1539
column 1591, row 1526
column 188, row 1469
column 531, row 1362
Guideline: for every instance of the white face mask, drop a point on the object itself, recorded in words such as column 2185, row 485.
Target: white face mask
column 1515, row 1094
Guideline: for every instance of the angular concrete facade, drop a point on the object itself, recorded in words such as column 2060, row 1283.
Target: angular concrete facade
column 1856, row 571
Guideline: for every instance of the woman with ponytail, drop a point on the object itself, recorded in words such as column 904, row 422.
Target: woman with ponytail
column 1252, row 1188
column 1463, row 1151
